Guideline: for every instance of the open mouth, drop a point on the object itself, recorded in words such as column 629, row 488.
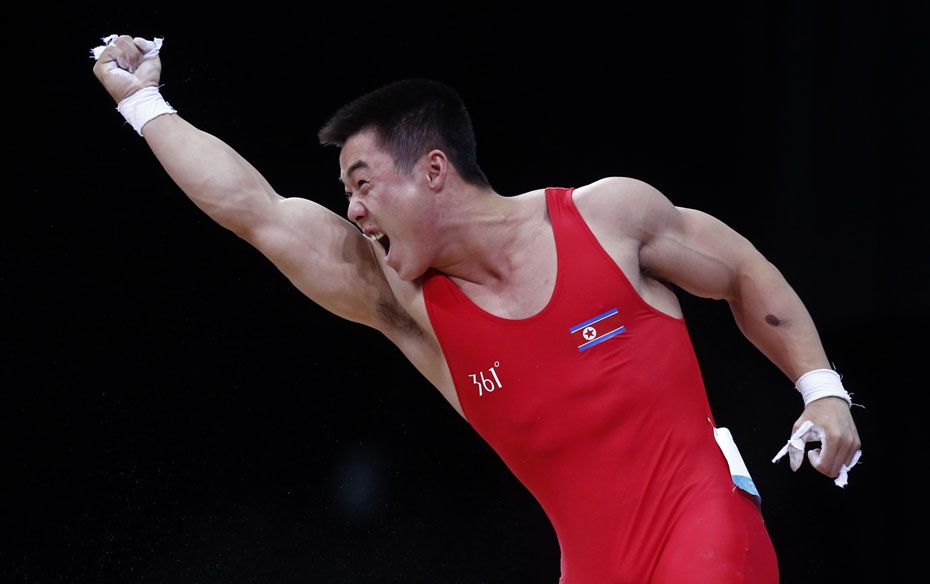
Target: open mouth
column 383, row 239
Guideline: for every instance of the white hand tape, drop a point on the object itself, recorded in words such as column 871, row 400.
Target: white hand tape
column 151, row 47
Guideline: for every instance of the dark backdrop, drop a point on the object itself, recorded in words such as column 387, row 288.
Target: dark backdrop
column 177, row 412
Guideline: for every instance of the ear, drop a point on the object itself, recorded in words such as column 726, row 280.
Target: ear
column 437, row 169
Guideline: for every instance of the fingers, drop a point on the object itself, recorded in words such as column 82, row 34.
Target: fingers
column 144, row 45
column 106, row 62
column 796, row 457
column 836, row 450
column 849, row 457
column 829, row 422
column 816, row 457
column 131, row 53
column 124, row 52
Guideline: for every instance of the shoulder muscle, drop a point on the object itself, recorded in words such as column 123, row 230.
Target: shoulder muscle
column 687, row 247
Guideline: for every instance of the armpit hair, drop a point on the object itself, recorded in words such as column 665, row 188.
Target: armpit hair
column 396, row 318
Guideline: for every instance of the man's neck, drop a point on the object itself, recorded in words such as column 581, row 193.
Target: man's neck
column 482, row 231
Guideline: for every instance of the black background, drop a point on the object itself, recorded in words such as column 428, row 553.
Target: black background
column 177, row 412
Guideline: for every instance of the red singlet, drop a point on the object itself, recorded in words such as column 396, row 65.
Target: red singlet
column 598, row 407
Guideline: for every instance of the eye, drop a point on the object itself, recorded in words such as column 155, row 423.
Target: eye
column 358, row 185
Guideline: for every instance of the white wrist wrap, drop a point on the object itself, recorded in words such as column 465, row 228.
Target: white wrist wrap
column 820, row 383
column 142, row 106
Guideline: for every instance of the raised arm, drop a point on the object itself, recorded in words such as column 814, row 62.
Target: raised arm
column 323, row 255
column 707, row 258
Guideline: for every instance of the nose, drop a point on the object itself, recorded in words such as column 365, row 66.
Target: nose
column 356, row 211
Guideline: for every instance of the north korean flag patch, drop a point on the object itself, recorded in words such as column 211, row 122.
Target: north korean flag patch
column 597, row 329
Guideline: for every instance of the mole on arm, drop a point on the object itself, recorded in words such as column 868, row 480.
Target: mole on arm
column 772, row 320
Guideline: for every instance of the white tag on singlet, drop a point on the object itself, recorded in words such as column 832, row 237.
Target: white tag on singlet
column 738, row 470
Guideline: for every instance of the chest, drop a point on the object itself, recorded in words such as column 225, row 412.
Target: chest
column 584, row 324
column 530, row 288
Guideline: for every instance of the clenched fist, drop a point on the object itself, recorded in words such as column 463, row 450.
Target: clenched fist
column 123, row 69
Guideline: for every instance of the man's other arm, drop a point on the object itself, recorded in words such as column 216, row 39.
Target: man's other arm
column 322, row 254
column 705, row 257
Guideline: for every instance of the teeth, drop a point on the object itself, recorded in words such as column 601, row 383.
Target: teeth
column 375, row 237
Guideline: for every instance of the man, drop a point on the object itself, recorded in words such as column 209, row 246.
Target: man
column 542, row 318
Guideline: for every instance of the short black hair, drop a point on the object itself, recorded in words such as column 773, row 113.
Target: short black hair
column 410, row 118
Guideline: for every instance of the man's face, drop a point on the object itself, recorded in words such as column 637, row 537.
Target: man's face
column 386, row 204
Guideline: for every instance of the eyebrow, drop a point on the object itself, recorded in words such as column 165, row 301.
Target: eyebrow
column 353, row 167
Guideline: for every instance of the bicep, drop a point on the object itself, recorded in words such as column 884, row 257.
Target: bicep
column 323, row 255
column 690, row 248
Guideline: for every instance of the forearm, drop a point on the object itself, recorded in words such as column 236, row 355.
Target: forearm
column 215, row 177
column 772, row 316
